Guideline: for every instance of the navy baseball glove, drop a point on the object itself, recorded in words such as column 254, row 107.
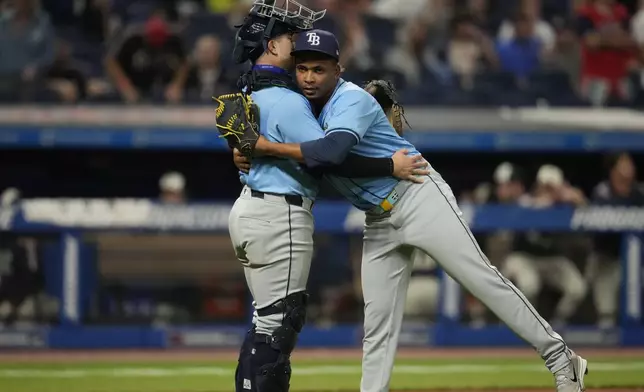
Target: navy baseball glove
column 237, row 118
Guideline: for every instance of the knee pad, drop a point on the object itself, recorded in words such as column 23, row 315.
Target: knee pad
column 293, row 309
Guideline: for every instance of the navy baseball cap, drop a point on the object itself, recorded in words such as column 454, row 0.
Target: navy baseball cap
column 318, row 41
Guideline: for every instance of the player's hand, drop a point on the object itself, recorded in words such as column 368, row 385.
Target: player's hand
column 409, row 167
column 242, row 163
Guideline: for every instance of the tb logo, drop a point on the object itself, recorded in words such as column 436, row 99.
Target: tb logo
column 313, row 39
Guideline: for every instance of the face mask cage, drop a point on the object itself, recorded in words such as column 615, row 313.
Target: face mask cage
column 290, row 12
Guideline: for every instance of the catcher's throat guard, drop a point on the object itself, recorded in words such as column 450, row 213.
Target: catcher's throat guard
column 237, row 120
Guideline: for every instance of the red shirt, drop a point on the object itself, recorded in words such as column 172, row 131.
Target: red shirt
column 609, row 64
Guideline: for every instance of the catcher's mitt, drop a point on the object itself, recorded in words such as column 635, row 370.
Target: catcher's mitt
column 385, row 93
column 238, row 121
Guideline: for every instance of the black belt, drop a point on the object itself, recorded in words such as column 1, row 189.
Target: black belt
column 293, row 200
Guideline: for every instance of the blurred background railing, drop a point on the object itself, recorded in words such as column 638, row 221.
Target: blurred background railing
column 116, row 189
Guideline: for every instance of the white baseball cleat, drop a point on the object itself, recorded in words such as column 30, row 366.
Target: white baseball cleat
column 571, row 378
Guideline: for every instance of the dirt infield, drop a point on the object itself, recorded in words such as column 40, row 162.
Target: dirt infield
column 160, row 355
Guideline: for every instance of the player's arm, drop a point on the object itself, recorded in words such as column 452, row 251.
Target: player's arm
column 306, row 142
column 327, row 153
column 316, row 147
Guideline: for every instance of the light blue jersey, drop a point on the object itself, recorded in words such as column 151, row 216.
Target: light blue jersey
column 285, row 117
column 351, row 109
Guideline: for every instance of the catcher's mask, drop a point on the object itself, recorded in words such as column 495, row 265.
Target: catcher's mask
column 266, row 21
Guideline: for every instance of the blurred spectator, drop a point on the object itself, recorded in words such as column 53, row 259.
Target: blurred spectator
column 552, row 189
column 566, row 54
column 430, row 11
column 172, row 186
column 540, row 30
column 355, row 54
column 26, row 49
column 67, row 79
column 20, row 278
column 424, row 289
column 9, row 197
column 607, row 51
column 538, row 258
column 508, row 187
column 90, row 17
column 637, row 25
column 467, row 48
column 619, row 189
column 520, row 54
column 64, row 78
column 149, row 60
column 637, row 30
column 410, row 57
column 402, row 10
column 481, row 14
column 207, row 77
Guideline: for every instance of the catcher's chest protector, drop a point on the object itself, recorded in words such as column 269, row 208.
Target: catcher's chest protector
column 257, row 80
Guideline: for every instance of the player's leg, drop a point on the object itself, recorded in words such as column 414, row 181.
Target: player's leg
column 522, row 270
column 432, row 221
column 562, row 274
column 275, row 244
column 386, row 269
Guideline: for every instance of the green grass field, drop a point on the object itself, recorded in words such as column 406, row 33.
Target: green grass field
column 309, row 375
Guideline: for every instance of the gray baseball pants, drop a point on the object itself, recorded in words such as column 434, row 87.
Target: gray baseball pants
column 428, row 218
column 274, row 242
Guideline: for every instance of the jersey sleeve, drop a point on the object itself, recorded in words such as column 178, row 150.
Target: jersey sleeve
column 293, row 120
column 354, row 112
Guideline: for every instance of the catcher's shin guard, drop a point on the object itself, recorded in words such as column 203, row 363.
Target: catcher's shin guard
column 245, row 372
column 271, row 360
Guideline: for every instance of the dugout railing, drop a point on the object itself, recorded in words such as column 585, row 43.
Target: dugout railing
column 68, row 221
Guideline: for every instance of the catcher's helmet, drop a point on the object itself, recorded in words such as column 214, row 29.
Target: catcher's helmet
column 266, row 21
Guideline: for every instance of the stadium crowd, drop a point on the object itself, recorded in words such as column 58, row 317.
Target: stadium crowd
column 439, row 52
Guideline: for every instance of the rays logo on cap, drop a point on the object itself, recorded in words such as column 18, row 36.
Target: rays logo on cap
column 313, row 39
